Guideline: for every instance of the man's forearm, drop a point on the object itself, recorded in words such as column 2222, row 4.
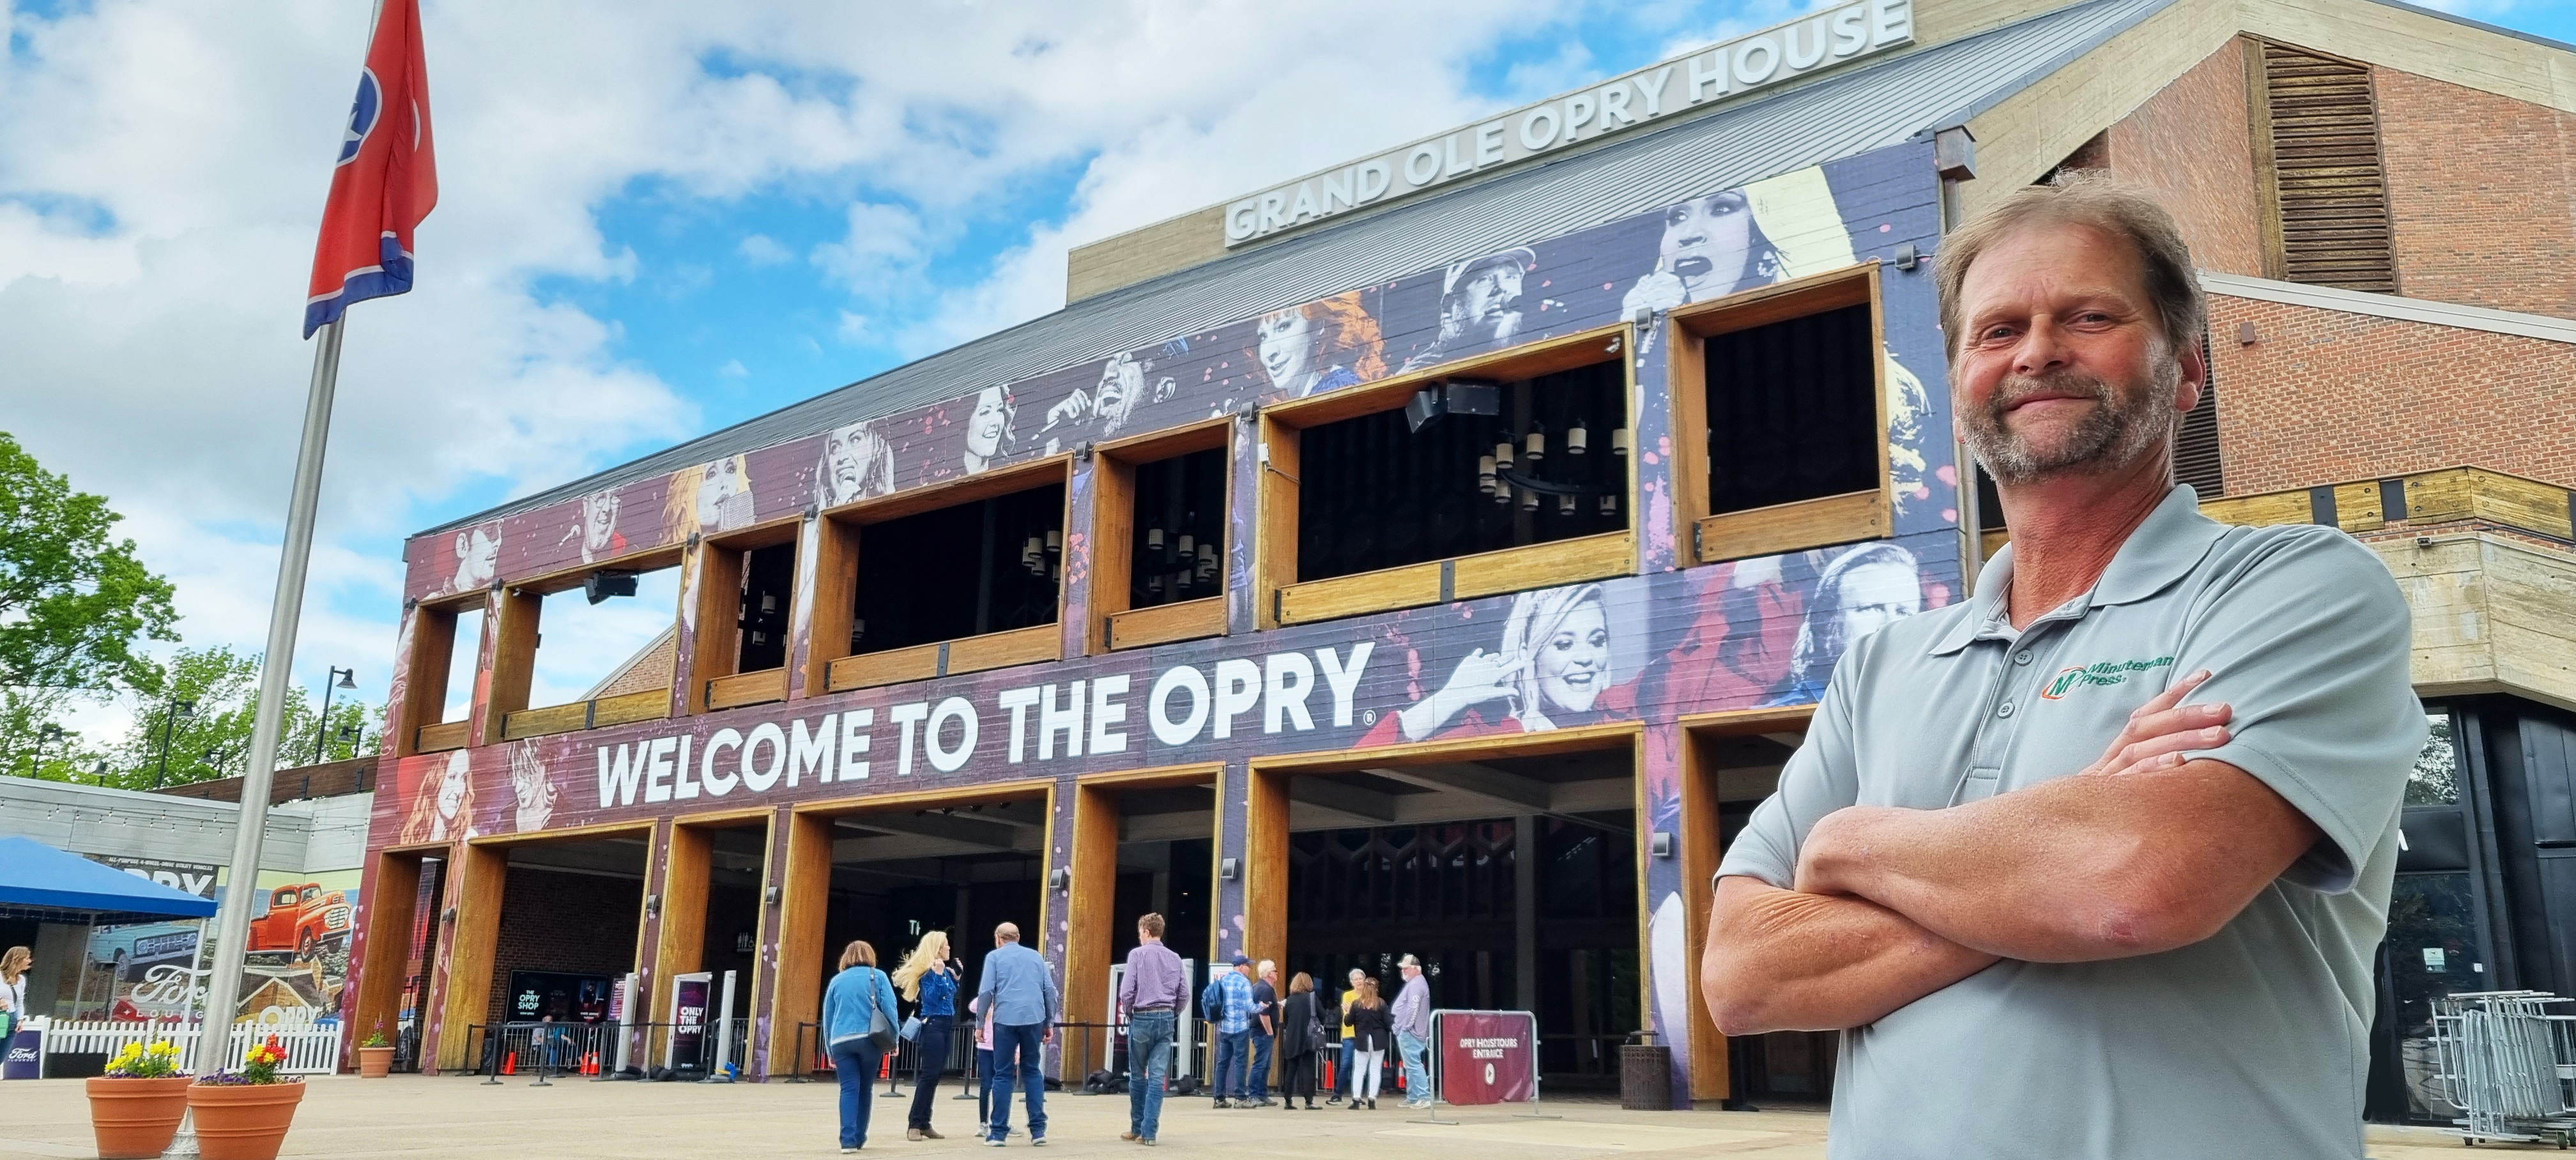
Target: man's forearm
column 1779, row 960
column 2073, row 870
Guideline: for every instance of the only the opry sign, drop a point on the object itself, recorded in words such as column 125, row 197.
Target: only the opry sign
column 1782, row 52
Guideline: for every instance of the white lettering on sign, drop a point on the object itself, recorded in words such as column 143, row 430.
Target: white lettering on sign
column 1772, row 56
column 1295, row 692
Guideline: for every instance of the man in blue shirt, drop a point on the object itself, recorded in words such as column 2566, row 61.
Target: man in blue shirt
column 1019, row 995
column 1232, row 1014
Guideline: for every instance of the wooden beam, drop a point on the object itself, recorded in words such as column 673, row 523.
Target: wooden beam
column 514, row 659
column 684, row 912
column 1112, row 545
column 392, row 905
column 1265, row 866
column 1701, row 848
column 431, row 648
column 715, row 629
column 833, row 599
column 1092, row 914
column 805, row 899
column 481, row 872
column 1686, row 379
column 1274, row 543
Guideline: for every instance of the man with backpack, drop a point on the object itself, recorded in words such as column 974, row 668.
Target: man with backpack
column 1228, row 1003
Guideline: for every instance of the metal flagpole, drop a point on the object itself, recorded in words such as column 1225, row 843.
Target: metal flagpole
column 232, row 917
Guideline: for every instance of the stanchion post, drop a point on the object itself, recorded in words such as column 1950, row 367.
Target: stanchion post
column 1533, row 1113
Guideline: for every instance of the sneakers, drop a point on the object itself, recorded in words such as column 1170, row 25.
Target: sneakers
column 1220, row 1102
column 1147, row 1141
column 1037, row 1141
column 992, row 1141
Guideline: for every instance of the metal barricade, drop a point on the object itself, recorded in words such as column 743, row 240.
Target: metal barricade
column 541, row 1050
column 2507, row 1062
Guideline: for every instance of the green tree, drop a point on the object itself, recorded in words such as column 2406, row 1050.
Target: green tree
column 75, row 608
column 219, row 689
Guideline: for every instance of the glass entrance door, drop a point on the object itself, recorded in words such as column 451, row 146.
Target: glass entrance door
column 2433, row 949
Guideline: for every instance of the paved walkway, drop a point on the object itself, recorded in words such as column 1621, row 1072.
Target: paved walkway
column 408, row 1116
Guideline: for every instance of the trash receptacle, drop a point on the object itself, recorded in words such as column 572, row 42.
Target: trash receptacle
column 1646, row 1077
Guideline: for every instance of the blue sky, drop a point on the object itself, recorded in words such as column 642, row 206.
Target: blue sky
column 657, row 217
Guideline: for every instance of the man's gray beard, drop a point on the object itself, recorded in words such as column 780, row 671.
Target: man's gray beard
column 2113, row 435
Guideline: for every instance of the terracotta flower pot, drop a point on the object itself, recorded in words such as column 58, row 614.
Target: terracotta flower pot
column 243, row 1121
column 375, row 1062
column 136, row 1118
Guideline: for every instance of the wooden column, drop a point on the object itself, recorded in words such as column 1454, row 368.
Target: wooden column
column 714, row 631
column 1671, row 403
column 513, row 664
column 826, row 590
column 1265, row 866
column 425, row 645
column 1088, row 928
column 477, row 875
column 648, row 938
column 682, row 944
column 1111, row 516
column 804, row 879
column 391, row 901
column 1274, row 555
column 1700, row 851
column 478, row 712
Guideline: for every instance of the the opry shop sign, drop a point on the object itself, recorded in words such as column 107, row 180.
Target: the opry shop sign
column 1281, row 691
column 1760, row 60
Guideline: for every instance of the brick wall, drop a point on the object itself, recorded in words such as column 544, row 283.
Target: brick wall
column 2483, row 192
column 2188, row 144
column 574, row 923
column 2328, row 397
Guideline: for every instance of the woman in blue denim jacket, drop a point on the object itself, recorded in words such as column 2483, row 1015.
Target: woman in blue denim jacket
column 857, row 994
column 928, row 977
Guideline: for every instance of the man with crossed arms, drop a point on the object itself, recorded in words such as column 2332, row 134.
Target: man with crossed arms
column 2165, row 952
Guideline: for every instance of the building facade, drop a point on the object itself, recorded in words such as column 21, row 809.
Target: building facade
column 1441, row 553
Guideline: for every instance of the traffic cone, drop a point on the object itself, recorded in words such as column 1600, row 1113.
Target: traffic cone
column 885, row 1066
column 510, row 1064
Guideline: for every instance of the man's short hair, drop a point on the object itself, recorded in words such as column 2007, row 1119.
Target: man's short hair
column 1151, row 924
column 1007, row 932
column 2082, row 198
column 1265, row 968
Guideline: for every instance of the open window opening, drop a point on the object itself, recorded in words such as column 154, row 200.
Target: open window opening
column 1545, row 465
column 1159, row 567
column 1496, row 476
column 1788, row 398
column 749, row 593
column 974, row 585
column 602, row 646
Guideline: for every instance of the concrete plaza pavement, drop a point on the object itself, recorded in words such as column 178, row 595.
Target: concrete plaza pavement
column 411, row 1116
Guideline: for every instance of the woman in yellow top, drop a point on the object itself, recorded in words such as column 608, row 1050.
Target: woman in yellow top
column 1342, row 1073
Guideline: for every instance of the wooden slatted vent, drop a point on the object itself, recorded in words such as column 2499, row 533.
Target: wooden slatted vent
column 2195, row 451
column 2333, row 191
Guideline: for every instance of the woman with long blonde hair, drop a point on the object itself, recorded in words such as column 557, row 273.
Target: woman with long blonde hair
column 13, row 991
column 928, row 978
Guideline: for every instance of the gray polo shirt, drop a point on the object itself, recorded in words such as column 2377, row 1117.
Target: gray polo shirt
column 2253, row 1042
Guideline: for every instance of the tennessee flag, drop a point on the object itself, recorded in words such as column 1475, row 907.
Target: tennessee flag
column 385, row 181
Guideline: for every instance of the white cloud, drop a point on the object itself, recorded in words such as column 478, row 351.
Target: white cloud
column 763, row 250
column 733, row 369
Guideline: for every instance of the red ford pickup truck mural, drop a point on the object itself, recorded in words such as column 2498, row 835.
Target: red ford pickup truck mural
column 303, row 918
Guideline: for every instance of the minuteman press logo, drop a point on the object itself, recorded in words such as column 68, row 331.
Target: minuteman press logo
column 2101, row 673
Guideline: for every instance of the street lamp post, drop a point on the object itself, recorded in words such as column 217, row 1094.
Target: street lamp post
column 321, row 728
column 169, row 723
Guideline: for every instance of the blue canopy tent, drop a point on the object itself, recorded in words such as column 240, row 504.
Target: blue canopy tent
column 40, row 882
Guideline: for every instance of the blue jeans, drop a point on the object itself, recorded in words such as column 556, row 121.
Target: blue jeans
column 854, row 1063
column 1342, row 1073
column 1261, row 1045
column 929, row 1062
column 1233, row 1061
column 1417, row 1079
column 1149, row 1057
column 983, row 1084
column 1023, row 1044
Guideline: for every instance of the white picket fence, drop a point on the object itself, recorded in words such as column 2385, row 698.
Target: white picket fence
column 311, row 1048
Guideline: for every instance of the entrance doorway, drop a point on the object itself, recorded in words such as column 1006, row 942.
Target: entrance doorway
column 1510, row 870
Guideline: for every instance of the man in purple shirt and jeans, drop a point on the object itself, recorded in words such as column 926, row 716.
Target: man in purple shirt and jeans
column 1149, row 995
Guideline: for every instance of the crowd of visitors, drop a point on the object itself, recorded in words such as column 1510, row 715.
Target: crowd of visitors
column 1251, row 1026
